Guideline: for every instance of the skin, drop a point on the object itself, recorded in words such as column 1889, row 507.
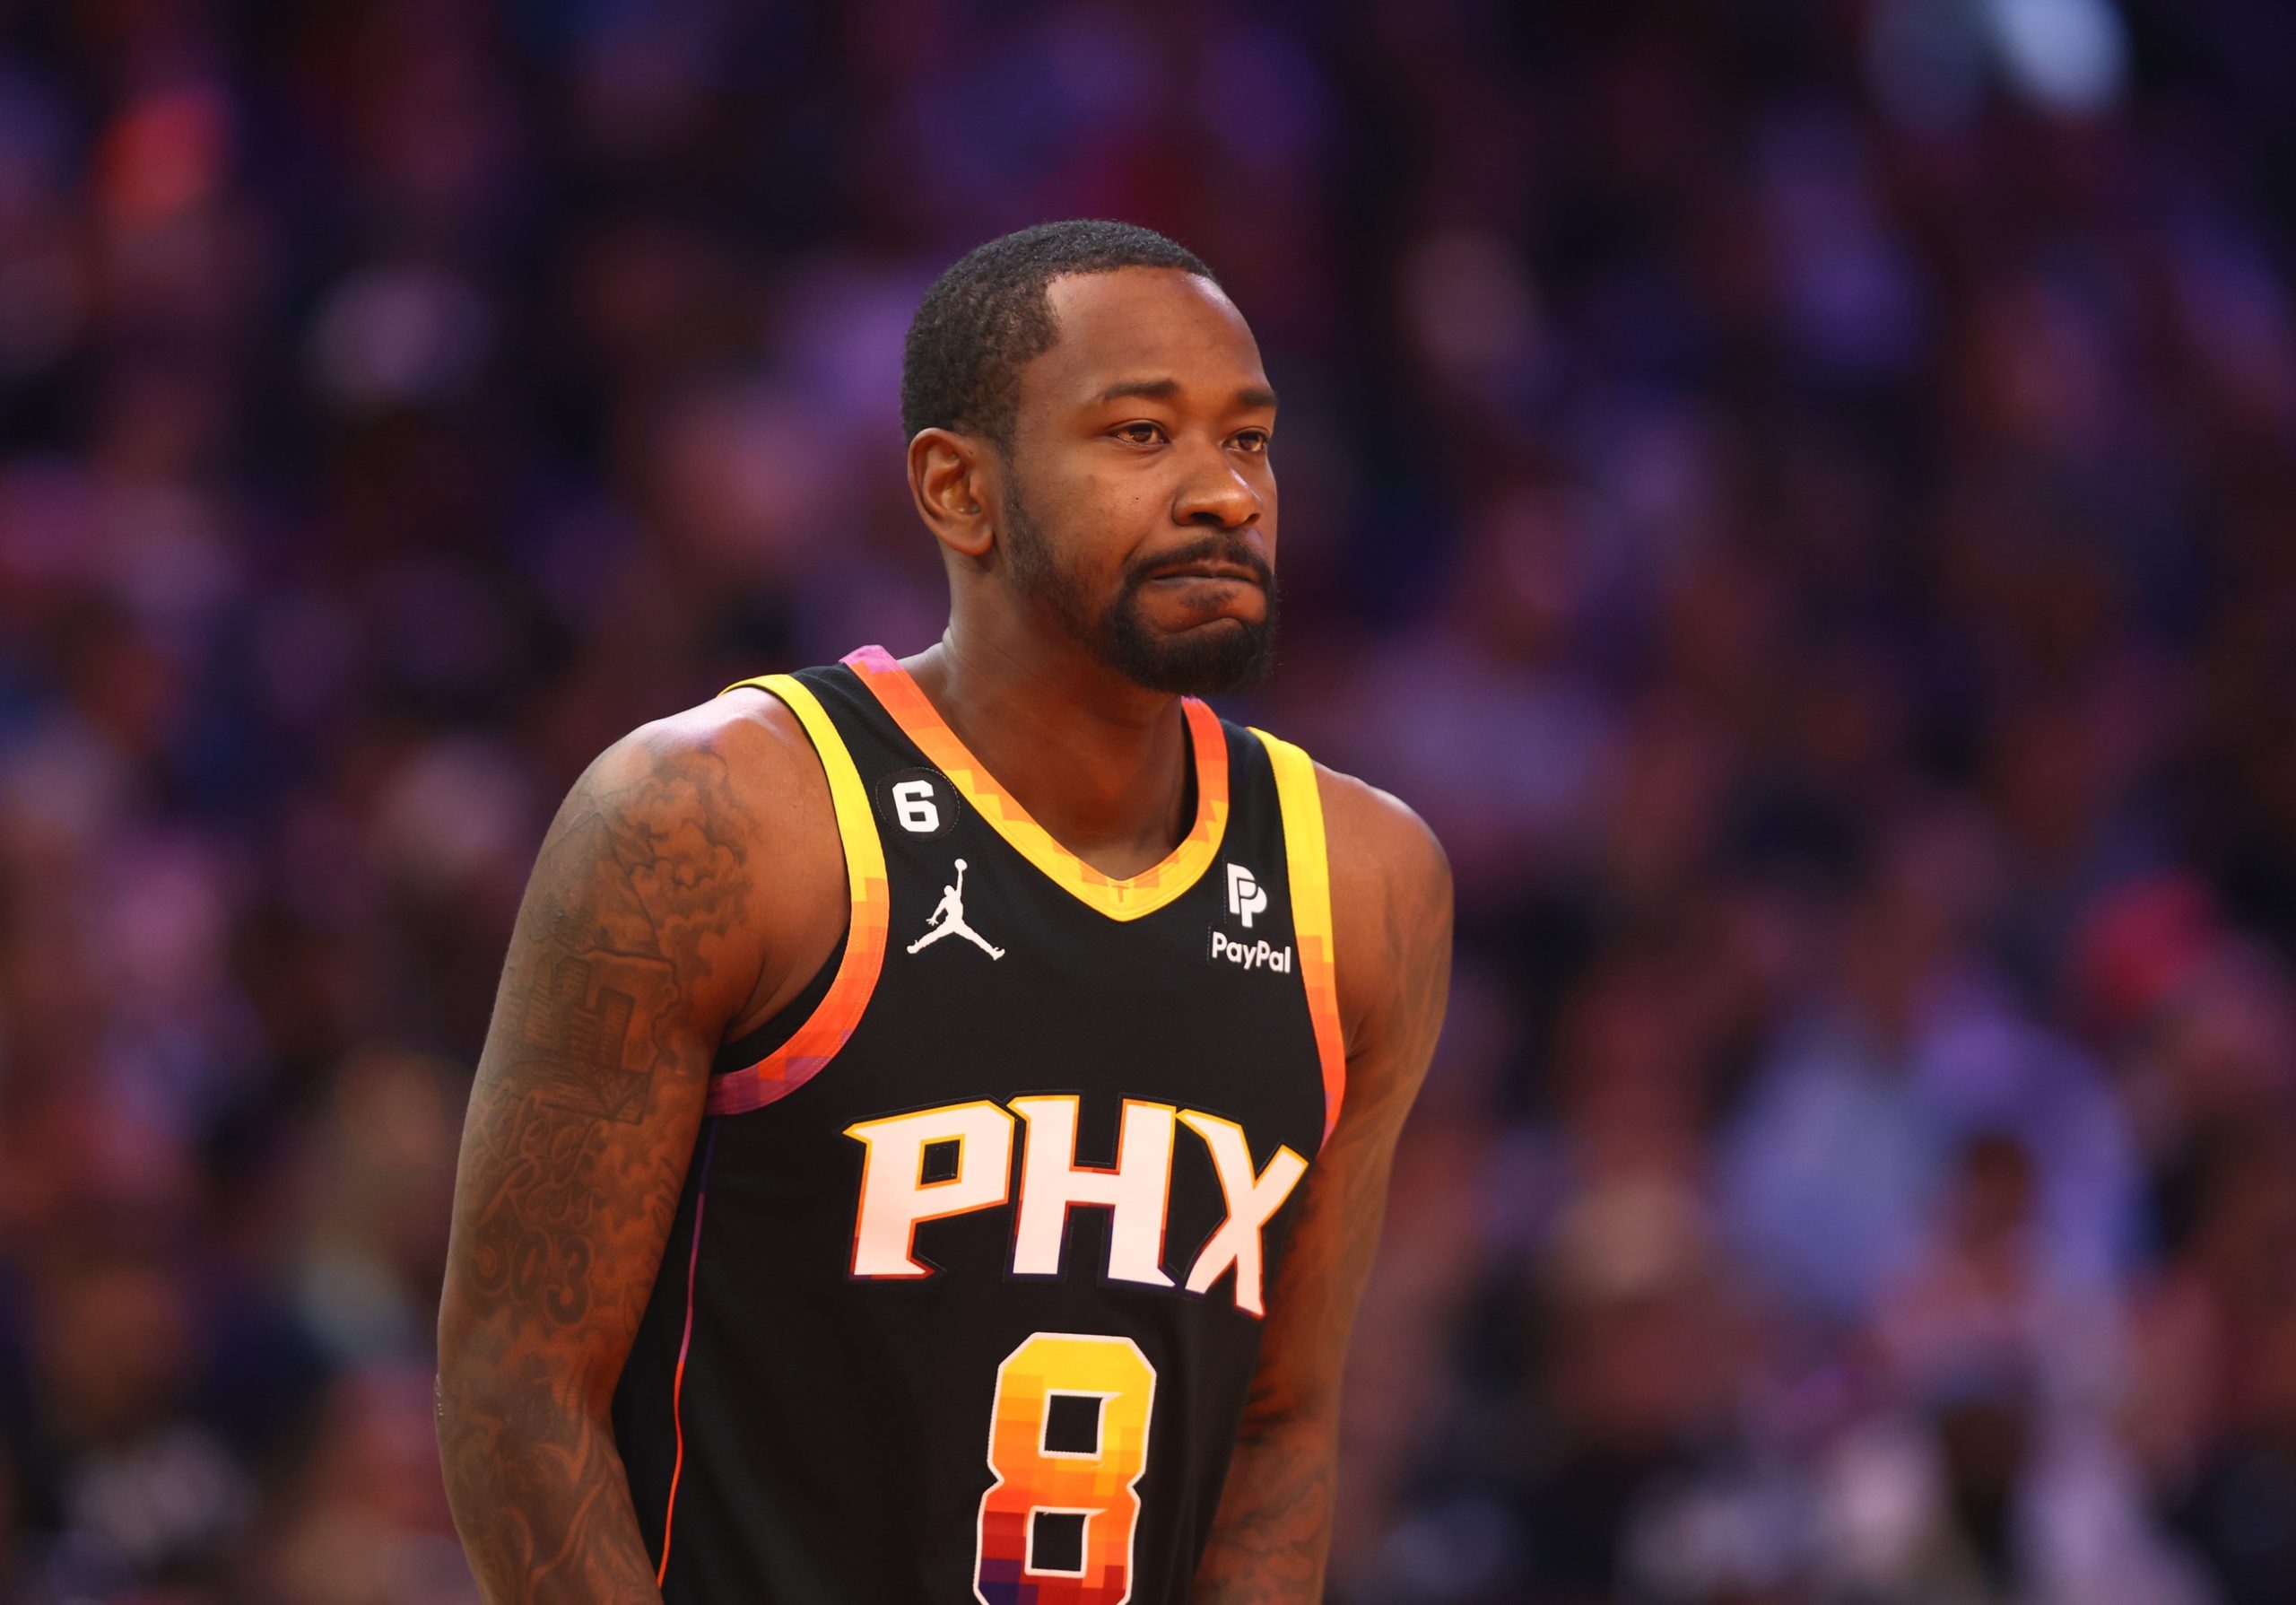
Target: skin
column 692, row 884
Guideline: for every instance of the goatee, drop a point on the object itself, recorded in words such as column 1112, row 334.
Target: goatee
column 1218, row 659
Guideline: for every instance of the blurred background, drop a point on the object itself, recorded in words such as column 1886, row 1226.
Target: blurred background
column 1800, row 494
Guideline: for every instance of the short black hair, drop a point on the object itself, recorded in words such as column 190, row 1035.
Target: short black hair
column 988, row 316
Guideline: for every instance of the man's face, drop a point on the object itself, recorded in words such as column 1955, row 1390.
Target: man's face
column 1140, row 514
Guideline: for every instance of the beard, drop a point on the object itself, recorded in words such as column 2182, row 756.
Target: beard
column 1217, row 658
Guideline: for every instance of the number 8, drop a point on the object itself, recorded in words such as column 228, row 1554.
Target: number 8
column 1099, row 1484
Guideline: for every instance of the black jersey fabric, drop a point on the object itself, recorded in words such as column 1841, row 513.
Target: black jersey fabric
column 873, row 1369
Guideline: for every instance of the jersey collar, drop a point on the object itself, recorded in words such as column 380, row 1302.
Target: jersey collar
column 1128, row 899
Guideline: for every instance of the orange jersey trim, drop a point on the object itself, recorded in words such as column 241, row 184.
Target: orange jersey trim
column 1143, row 893
column 685, row 1346
column 1306, row 857
column 816, row 1041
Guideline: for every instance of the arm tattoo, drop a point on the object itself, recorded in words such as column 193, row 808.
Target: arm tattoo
column 1274, row 1524
column 580, row 1125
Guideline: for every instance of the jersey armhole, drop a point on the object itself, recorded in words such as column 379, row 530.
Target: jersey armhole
column 816, row 1041
column 1307, row 862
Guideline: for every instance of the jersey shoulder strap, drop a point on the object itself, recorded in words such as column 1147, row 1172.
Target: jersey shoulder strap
column 824, row 1031
column 1307, row 861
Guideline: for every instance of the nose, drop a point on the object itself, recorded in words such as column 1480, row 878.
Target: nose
column 1217, row 495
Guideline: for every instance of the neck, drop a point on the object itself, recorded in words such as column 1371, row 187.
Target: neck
column 1100, row 762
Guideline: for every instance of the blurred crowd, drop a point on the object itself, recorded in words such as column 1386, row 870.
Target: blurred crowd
column 1800, row 494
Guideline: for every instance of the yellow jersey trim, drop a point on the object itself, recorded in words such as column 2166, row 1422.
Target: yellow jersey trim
column 826, row 1030
column 1307, row 857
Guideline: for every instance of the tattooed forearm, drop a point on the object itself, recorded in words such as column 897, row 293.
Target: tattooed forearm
column 1274, row 1521
column 539, row 1494
column 532, row 1471
column 627, row 957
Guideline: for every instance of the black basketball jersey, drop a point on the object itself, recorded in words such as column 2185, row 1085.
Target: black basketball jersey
column 966, row 1287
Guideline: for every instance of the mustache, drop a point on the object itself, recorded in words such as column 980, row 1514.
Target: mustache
column 1213, row 548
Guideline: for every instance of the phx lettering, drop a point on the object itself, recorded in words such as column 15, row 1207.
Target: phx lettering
column 896, row 1199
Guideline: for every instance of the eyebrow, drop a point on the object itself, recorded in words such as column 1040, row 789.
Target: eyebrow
column 1164, row 389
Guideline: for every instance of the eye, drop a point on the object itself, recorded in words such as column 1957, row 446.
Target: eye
column 1139, row 433
column 1254, row 440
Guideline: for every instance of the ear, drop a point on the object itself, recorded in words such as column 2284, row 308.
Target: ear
column 953, row 483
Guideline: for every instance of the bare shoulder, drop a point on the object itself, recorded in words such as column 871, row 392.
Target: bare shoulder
column 723, row 810
column 1391, row 905
column 744, row 739
column 1375, row 839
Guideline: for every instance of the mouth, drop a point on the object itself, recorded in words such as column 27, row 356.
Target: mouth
column 1206, row 571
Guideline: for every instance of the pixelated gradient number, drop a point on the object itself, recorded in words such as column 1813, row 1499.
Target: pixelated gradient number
column 1031, row 1551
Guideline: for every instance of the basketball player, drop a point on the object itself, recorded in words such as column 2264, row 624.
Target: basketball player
column 800, row 1257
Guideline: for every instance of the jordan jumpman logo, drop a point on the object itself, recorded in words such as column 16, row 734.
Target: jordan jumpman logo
column 949, row 920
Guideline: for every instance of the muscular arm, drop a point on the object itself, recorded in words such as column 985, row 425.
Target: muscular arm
column 1391, row 914
column 635, row 943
